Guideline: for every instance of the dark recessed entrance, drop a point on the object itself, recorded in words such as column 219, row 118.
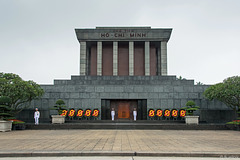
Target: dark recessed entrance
column 124, row 109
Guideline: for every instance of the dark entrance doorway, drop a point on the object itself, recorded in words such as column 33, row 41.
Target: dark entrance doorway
column 124, row 109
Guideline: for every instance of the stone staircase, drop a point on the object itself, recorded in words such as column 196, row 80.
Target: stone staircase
column 144, row 124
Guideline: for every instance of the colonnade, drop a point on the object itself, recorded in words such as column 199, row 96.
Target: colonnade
column 161, row 58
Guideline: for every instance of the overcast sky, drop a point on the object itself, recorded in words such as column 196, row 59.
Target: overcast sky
column 38, row 41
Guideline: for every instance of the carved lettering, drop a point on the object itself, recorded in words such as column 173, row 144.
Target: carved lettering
column 137, row 34
column 119, row 35
column 104, row 34
column 122, row 34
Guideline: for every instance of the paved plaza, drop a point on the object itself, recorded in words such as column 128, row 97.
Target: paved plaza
column 119, row 158
column 121, row 142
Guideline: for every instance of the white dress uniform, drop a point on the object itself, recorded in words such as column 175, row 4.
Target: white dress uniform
column 36, row 117
column 112, row 114
column 135, row 115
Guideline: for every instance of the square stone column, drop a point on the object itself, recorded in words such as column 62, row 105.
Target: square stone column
column 99, row 58
column 87, row 60
column 115, row 58
column 131, row 58
column 163, row 58
column 147, row 58
column 159, row 59
column 83, row 58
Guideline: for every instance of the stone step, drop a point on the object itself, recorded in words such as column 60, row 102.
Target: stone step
column 125, row 121
column 128, row 126
column 123, row 80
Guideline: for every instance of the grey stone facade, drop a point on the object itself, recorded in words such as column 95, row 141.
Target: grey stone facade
column 156, row 90
column 163, row 92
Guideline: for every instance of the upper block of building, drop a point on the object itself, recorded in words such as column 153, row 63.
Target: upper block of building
column 124, row 34
column 123, row 51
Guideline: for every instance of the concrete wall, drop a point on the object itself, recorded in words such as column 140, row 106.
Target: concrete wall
column 160, row 91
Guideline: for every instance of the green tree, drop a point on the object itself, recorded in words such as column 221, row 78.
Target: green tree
column 19, row 91
column 227, row 92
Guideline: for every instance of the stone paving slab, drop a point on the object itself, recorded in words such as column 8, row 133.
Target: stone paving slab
column 120, row 158
column 181, row 143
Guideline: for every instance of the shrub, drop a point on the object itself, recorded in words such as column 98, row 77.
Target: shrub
column 190, row 108
column 59, row 106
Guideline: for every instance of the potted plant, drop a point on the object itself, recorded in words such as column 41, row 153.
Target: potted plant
column 59, row 107
column 190, row 108
column 5, row 114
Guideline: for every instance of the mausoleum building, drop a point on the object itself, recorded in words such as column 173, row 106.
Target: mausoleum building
column 126, row 68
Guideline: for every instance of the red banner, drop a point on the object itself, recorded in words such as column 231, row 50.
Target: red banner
column 80, row 113
column 71, row 113
column 95, row 113
column 151, row 113
column 64, row 113
column 88, row 112
column 167, row 113
column 174, row 113
column 182, row 113
column 159, row 112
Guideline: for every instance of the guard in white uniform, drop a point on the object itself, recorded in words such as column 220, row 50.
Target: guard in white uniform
column 36, row 116
column 134, row 114
column 112, row 114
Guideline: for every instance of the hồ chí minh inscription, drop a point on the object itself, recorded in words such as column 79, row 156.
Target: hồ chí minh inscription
column 123, row 35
